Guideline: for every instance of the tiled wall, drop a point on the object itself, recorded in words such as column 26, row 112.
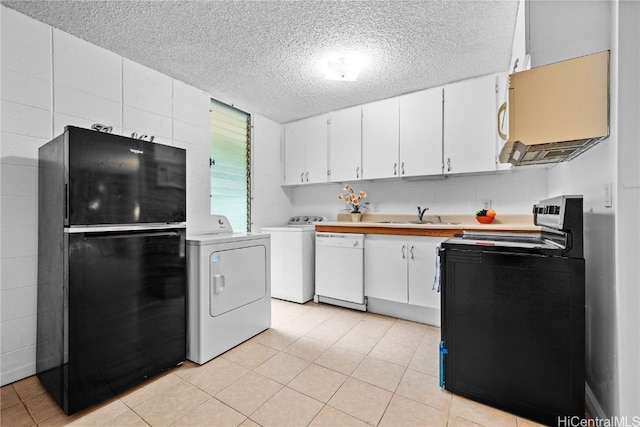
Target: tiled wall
column 51, row 79
column 271, row 204
column 509, row 192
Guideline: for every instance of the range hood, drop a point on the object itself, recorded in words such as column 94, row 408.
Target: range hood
column 557, row 111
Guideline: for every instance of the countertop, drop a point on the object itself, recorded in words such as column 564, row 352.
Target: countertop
column 449, row 225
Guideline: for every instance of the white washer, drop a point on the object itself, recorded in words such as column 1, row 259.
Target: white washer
column 229, row 293
column 293, row 259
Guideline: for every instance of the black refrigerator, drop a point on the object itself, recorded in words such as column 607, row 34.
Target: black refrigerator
column 111, row 264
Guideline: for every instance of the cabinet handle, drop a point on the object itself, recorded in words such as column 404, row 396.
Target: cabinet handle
column 449, row 164
column 402, row 167
column 501, row 111
column 404, row 256
column 411, row 250
column 358, row 172
column 302, row 177
column 395, row 168
column 307, row 176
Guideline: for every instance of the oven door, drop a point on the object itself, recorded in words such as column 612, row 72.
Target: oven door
column 513, row 329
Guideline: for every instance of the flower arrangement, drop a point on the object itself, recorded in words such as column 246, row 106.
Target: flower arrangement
column 352, row 199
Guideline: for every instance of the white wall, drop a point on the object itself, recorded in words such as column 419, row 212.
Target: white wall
column 510, row 192
column 562, row 30
column 51, row 79
column 627, row 194
column 271, row 204
column 559, row 30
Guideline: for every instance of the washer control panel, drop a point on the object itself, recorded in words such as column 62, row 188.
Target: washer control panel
column 305, row 219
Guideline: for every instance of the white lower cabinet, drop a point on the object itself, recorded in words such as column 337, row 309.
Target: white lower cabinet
column 422, row 271
column 385, row 268
column 401, row 269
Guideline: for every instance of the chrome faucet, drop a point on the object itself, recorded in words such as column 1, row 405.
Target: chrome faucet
column 421, row 213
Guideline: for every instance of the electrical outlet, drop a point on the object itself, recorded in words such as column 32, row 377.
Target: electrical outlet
column 608, row 197
column 486, row 204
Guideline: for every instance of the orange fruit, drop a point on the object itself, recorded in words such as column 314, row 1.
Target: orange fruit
column 491, row 213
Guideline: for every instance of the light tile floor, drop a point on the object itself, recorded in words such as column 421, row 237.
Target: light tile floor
column 318, row 365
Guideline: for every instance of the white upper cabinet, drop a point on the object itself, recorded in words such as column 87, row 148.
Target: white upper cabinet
column 421, row 133
column 380, row 139
column 470, row 131
column 316, row 149
column 294, row 161
column 345, row 145
column 445, row 130
column 305, row 151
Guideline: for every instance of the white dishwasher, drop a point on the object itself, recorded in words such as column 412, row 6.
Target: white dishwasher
column 340, row 270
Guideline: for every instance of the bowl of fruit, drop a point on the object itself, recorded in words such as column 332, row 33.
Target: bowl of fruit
column 485, row 216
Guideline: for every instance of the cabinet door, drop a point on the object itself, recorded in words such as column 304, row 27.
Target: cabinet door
column 422, row 270
column 345, row 142
column 470, row 126
column 385, row 268
column 421, row 133
column 380, row 139
column 294, row 153
column 316, row 135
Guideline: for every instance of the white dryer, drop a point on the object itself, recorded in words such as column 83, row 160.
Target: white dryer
column 293, row 258
column 229, row 293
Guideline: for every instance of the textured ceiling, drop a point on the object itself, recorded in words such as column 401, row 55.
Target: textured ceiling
column 267, row 56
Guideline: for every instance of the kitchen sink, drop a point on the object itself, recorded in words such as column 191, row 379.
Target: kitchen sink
column 418, row 222
column 404, row 222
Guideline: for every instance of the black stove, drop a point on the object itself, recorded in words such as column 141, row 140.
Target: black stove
column 560, row 219
column 513, row 321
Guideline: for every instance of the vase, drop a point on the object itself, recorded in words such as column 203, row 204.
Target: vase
column 356, row 217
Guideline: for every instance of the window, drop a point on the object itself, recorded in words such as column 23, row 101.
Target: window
column 230, row 161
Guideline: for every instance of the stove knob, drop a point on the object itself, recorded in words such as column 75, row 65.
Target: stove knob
column 305, row 219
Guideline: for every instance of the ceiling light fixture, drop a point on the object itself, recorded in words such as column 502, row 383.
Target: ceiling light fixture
column 343, row 69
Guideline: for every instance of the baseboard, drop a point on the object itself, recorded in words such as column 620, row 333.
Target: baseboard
column 414, row 313
column 592, row 404
column 341, row 303
column 17, row 374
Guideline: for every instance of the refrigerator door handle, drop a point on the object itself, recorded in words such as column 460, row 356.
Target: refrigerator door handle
column 129, row 234
column 66, row 204
column 126, row 228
